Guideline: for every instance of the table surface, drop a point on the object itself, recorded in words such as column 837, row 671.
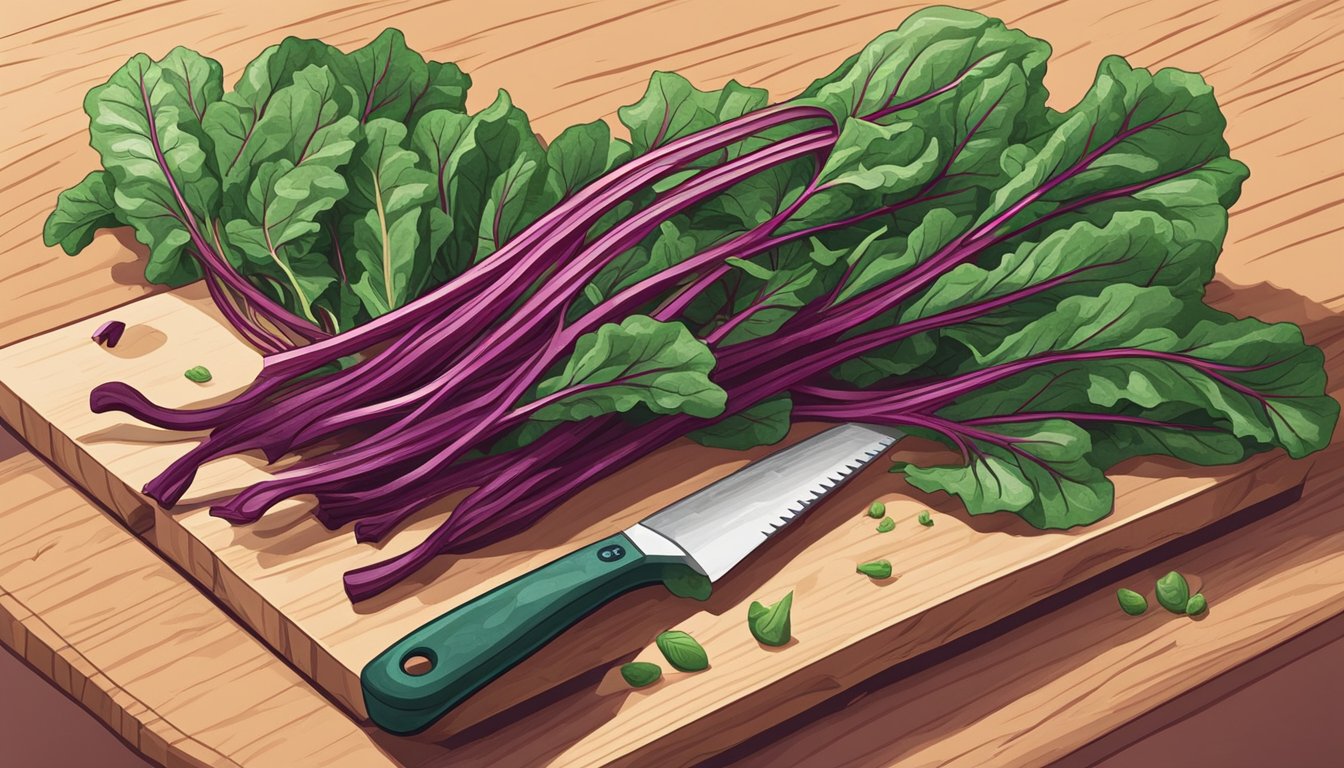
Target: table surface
column 119, row 633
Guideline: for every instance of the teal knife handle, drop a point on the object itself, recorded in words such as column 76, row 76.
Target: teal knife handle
column 474, row 643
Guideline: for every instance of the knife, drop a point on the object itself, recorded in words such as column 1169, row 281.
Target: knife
column 421, row 677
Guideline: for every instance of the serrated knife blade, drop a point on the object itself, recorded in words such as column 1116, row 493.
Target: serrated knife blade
column 719, row 525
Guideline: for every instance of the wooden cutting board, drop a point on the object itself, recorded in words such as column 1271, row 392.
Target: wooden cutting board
column 281, row 576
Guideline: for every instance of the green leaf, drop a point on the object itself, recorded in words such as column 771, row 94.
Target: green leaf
column 765, row 423
column 144, row 126
column 387, row 197
column 1173, row 592
column 877, row 510
column 685, row 582
column 81, row 211
column 896, row 359
column 1149, row 125
column 925, row 519
column 199, row 374
column 247, row 127
column 886, row 525
column 389, row 80
column 641, row 673
column 518, row 197
column 640, row 361
column 468, row 156
column 771, row 625
column 1038, row 471
column 1131, row 602
column 1196, row 605
column 580, row 154
column 197, row 82
column 870, row 166
column 682, row 651
column 672, row 108
column 931, row 49
column 757, row 297
column 877, row 569
column 287, row 193
column 1225, row 386
column 873, row 267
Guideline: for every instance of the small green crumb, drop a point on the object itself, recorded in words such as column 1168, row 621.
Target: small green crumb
column 925, row 519
column 877, row 569
column 886, row 525
column 1196, row 605
column 641, row 673
column 1131, row 602
column 877, row 509
column 199, row 374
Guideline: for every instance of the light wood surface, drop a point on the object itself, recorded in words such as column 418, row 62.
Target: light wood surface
column 1272, row 66
column 281, row 576
column 97, row 612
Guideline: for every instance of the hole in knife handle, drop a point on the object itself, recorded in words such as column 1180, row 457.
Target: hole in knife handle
column 418, row 662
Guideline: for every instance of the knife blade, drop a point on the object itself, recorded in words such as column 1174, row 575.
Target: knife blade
column 421, row 677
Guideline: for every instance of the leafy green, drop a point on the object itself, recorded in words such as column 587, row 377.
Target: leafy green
column 1131, row 602
column 641, row 673
column 877, row 510
column 684, row 582
column 80, row 211
column 886, row 525
column 295, row 180
column 387, row 197
column 765, row 423
column 1196, row 605
column 639, row 361
column 682, row 651
column 771, row 624
column 145, row 127
column 199, row 374
column 672, row 108
column 1173, row 592
column 877, row 569
column 917, row 241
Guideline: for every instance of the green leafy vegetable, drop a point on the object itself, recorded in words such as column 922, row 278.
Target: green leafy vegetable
column 684, row 582
column 877, row 510
column 80, row 211
column 1196, row 605
column 877, row 569
column 925, row 519
column 886, row 525
column 763, row 424
column 917, row 241
column 388, row 195
column 771, row 625
column 682, row 651
column 199, row 374
column 639, row 674
column 1173, row 592
column 1131, row 602
column 639, row 361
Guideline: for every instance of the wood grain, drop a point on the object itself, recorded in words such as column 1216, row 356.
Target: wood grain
column 1271, row 64
column 281, row 577
column 97, row 612
column 1036, row 694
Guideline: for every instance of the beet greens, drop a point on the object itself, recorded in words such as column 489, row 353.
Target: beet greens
column 915, row 240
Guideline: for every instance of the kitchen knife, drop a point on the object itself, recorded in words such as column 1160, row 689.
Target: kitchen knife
column 434, row 668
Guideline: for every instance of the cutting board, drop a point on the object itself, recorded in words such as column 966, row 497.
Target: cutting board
column 281, row 576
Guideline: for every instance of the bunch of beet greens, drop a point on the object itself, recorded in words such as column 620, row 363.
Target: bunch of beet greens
column 915, row 240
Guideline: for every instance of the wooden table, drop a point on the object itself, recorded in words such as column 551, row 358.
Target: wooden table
column 92, row 608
